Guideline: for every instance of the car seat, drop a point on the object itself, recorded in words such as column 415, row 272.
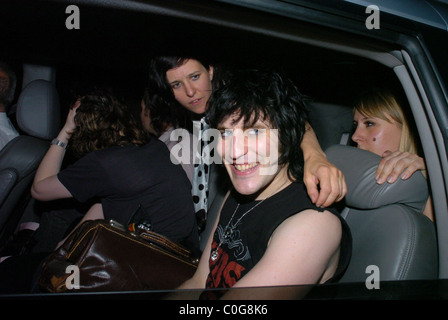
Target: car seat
column 331, row 122
column 31, row 72
column 388, row 228
column 38, row 116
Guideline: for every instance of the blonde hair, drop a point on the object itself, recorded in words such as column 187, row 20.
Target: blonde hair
column 383, row 105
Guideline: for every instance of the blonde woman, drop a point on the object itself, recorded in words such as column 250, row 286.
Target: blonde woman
column 382, row 128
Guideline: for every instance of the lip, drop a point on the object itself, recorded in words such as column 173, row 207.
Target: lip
column 247, row 172
column 196, row 102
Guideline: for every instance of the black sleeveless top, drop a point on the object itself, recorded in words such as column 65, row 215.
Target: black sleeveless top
column 242, row 250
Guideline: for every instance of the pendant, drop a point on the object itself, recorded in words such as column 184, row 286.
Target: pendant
column 228, row 233
column 214, row 255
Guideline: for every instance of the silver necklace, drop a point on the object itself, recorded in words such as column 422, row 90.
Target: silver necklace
column 229, row 229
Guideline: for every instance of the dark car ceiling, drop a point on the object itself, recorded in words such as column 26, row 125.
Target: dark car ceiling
column 114, row 45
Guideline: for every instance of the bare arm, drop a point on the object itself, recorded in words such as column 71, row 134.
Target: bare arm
column 319, row 172
column 200, row 276
column 46, row 186
column 304, row 249
column 192, row 288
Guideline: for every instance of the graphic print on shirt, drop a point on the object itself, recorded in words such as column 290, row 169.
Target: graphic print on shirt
column 234, row 243
column 223, row 273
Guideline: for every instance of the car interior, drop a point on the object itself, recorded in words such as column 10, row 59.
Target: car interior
column 330, row 66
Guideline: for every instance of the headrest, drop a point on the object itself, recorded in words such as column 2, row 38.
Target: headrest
column 33, row 72
column 38, row 110
column 330, row 122
column 359, row 167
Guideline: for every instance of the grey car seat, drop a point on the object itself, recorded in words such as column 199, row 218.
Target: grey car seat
column 331, row 122
column 388, row 228
column 38, row 116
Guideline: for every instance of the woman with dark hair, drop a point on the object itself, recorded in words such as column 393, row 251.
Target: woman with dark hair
column 121, row 166
column 269, row 234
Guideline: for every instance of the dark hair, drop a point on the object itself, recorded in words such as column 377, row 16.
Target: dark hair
column 265, row 95
column 161, row 93
column 7, row 88
column 161, row 112
column 101, row 122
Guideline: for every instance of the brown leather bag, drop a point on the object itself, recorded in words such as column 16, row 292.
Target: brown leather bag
column 104, row 256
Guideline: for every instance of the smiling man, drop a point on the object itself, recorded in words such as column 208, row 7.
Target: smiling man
column 269, row 233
